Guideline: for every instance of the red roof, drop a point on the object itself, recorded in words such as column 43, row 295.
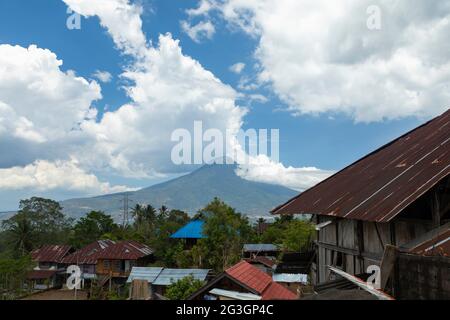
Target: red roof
column 381, row 185
column 125, row 250
column 50, row 253
column 89, row 254
column 260, row 282
column 41, row 274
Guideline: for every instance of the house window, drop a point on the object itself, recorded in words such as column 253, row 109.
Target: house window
column 340, row 260
column 118, row 265
column 106, row 264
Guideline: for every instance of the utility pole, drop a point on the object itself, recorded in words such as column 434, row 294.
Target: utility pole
column 126, row 200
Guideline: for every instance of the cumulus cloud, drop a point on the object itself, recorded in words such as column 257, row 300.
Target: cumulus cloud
column 262, row 169
column 103, row 76
column 120, row 18
column 198, row 32
column 47, row 114
column 44, row 175
column 237, row 67
column 321, row 57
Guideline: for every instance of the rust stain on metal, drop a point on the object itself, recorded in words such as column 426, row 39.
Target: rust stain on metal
column 377, row 188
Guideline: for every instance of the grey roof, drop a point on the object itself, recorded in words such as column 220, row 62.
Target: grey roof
column 139, row 273
column 290, row 278
column 169, row 276
column 165, row 277
column 260, row 247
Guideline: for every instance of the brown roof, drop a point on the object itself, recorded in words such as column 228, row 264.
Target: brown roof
column 50, row 253
column 382, row 184
column 434, row 243
column 41, row 274
column 262, row 260
column 125, row 250
column 89, row 253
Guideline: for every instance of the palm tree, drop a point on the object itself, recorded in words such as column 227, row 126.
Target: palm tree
column 20, row 233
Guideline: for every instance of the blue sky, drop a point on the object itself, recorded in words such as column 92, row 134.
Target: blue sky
column 328, row 139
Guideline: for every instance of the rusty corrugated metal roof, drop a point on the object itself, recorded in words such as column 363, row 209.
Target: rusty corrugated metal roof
column 382, row 184
column 125, row 250
column 88, row 254
column 50, row 253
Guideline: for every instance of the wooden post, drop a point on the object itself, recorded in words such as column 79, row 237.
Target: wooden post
column 388, row 264
column 435, row 209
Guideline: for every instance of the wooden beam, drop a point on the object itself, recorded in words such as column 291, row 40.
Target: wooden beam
column 362, row 284
column 354, row 252
column 388, row 264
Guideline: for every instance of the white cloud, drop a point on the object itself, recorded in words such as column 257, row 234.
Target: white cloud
column 43, row 176
column 198, row 32
column 320, row 57
column 120, row 18
column 44, row 101
column 103, row 76
column 262, row 169
column 237, row 67
column 47, row 114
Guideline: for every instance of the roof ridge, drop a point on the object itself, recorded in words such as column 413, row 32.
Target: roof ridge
column 443, row 115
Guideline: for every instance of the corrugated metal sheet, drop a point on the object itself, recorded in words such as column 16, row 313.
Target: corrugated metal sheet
column 434, row 243
column 259, row 281
column 125, row 250
column 170, row 276
column 140, row 273
column 290, row 278
column 382, row 184
column 50, row 253
column 89, row 253
column 235, row 295
column 260, row 247
column 165, row 277
column 193, row 230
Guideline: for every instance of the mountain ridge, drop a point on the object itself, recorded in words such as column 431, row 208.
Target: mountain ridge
column 190, row 193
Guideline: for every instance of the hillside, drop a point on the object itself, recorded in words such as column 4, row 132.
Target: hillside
column 191, row 192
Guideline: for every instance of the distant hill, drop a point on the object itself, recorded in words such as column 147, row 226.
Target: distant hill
column 191, row 193
column 6, row 215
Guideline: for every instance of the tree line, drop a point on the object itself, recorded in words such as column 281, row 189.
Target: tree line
column 41, row 221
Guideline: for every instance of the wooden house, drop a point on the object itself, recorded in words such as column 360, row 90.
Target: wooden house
column 389, row 209
column 86, row 258
column 117, row 260
column 50, row 270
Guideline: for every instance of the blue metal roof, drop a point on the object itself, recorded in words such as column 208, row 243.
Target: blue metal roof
column 193, row 230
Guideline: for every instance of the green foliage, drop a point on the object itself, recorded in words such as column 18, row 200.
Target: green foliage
column 183, row 288
column 297, row 235
column 94, row 226
column 225, row 233
column 167, row 223
column 291, row 234
column 13, row 276
column 38, row 222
